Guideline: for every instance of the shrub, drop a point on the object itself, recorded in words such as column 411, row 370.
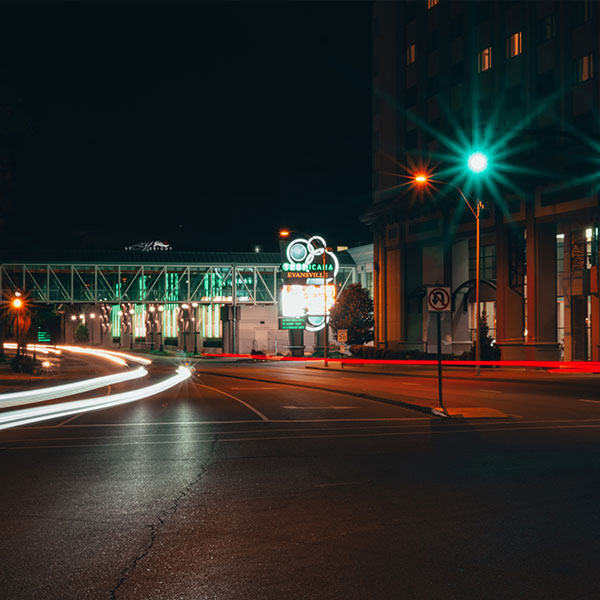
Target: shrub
column 26, row 364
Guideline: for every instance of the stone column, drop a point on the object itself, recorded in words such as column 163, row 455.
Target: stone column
column 541, row 291
column 509, row 299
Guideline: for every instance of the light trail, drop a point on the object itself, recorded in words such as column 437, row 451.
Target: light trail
column 68, row 389
column 37, row 348
column 93, row 352
column 26, row 416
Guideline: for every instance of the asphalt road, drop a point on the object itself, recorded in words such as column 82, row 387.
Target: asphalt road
column 252, row 483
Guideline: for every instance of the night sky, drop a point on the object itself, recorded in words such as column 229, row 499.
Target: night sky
column 207, row 125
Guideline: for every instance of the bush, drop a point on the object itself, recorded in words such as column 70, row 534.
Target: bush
column 82, row 333
column 213, row 343
column 356, row 350
column 26, row 364
column 170, row 341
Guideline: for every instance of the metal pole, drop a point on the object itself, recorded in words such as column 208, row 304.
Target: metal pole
column 18, row 345
column 439, row 353
column 325, row 309
column 477, row 322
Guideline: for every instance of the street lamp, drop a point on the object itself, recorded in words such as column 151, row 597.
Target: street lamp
column 151, row 309
column 195, row 320
column 477, row 162
column 161, row 308
column 92, row 316
column 132, row 327
column 17, row 304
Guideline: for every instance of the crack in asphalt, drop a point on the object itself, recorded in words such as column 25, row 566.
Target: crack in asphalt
column 155, row 528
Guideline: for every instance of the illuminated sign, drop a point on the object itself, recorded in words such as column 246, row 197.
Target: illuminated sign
column 291, row 323
column 149, row 246
column 308, row 290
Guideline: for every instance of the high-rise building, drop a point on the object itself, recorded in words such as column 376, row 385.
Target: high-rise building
column 518, row 82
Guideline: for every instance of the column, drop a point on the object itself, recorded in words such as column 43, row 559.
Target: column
column 509, row 291
column 541, row 291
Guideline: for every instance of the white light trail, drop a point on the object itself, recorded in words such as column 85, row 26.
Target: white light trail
column 27, row 416
column 93, row 352
column 38, row 348
column 68, row 389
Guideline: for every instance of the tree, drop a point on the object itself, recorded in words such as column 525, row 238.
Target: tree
column 489, row 351
column 81, row 333
column 353, row 311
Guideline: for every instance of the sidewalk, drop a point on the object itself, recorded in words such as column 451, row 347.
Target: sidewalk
column 510, row 374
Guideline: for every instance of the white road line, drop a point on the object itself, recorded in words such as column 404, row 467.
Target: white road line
column 254, row 410
column 594, row 401
column 319, row 407
column 491, row 391
column 255, row 388
column 302, row 437
column 68, row 420
column 80, row 414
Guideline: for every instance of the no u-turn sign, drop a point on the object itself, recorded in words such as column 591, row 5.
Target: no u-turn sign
column 438, row 299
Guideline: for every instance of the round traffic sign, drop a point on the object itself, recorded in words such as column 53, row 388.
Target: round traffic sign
column 438, row 299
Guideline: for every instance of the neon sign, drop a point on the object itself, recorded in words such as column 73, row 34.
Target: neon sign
column 309, row 281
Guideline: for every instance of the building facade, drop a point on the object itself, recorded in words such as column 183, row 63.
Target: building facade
column 518, row 81
column 206, row 301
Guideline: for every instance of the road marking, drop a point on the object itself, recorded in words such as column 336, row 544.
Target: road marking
column 78, row 415
column 233, row 422
column 491, row 391
column 254, row 410
column 69, row 420
column 594, row 401
column 428, row 432
column 255, row 388
column 319, row 407
column 326, row 485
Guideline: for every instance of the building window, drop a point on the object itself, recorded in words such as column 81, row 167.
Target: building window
column 584, row 68
column 547, row 29
column 487, row 262
column 484, row 60
column 514, row 45
column 432, row 3
column 583, row 11
column 410, row 54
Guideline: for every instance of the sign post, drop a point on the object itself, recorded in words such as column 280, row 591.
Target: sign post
column 342, row 336
column 438, row 301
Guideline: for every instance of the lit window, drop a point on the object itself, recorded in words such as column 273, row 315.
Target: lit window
column 484, row 60
column 513, row 45
column 584, row 68
column 410, row 54
column 432, row 3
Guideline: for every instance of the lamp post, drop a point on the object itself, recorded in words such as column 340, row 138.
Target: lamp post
column 92, row 317
column 131, row 327
column 161, row 308
column 325, row 329
column 17, row 303
column 151, row 309
column 477, row 163
column 184, row 325
column 195, row 320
